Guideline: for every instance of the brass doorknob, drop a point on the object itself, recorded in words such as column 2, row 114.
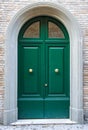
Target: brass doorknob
column 46, row 85
column 30, row 70
column 56, row 70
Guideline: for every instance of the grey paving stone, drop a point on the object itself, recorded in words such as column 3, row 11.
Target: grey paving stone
column 46, row 127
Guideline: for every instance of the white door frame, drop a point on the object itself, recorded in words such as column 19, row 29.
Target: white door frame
column 76, row 63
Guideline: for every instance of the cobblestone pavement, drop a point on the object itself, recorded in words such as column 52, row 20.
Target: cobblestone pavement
column 45, row 127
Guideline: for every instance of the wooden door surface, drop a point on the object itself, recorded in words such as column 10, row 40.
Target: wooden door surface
column 43, row 69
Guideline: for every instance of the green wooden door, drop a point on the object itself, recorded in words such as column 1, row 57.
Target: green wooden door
column 43, row 69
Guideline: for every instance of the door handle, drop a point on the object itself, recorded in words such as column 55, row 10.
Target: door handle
column 46, row 85
column 56, row 70
column 30, row 70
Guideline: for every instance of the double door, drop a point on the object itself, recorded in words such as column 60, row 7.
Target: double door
column 43, row 77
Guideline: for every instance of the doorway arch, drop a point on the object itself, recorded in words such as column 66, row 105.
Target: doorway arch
column 61, row 14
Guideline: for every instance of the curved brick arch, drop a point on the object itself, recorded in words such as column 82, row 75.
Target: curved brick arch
column 28, row 12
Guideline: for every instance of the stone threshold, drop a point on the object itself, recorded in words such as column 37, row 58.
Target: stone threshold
column 43, row 122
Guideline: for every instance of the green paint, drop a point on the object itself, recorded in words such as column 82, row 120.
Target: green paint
column 43, row 55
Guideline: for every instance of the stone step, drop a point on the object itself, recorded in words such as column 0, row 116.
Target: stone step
column 42, row 122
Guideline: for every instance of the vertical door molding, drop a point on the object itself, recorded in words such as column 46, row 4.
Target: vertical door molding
column 76, row 67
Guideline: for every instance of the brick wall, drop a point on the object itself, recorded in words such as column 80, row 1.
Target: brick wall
column 79, row 9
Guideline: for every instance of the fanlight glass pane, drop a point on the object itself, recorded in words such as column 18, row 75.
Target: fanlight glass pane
column 32, row 31
column 54, row 31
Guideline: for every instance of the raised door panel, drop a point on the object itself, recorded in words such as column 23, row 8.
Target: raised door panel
column 31, row 71
column 56, row 70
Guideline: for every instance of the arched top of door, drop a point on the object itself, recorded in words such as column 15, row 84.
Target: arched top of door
column 43, row 27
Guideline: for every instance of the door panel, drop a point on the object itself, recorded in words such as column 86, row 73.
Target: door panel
column 56, row 70
column 27, row 109
column 57, row 108
column 31, row 71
